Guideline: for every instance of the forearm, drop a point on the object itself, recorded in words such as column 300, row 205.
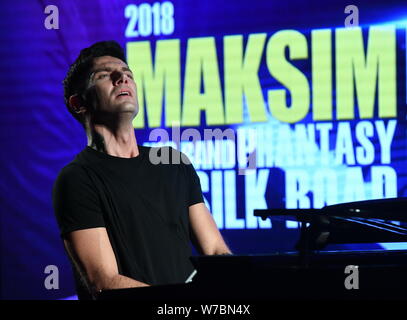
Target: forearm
column 217, row 247
column 206, row 235
column 117, row 281
column 222, row 250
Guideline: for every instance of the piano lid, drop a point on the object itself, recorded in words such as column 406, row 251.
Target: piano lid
column 386, row 209
column 356, row 222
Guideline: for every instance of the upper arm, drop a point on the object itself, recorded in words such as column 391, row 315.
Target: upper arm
column 76, row 201
column 92, row 254
column 205, row 231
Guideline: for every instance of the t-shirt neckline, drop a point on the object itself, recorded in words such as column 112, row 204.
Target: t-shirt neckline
column 106, row 156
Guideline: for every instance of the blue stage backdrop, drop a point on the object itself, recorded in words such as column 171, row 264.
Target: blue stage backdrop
column 294, row 104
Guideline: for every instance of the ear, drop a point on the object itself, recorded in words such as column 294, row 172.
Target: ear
column 76, row 104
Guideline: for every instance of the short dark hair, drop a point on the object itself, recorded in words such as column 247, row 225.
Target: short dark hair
column 76, row 80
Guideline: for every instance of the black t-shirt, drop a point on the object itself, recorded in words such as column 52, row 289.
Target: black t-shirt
column 143, row 206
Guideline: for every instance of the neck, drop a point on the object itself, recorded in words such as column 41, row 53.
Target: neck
column 119, row 141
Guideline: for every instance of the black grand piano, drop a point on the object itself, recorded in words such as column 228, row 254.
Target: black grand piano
column 308, row 271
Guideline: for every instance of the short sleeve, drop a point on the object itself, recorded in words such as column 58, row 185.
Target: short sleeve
column 194, row 184
column 75, row 200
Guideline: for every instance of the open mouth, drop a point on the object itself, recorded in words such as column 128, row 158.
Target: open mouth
column 123, row 93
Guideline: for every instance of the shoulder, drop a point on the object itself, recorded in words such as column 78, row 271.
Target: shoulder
column 71, row 170
column 79, row 167
column 72, row 175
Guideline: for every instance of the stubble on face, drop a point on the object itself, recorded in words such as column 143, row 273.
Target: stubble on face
column 113, row 90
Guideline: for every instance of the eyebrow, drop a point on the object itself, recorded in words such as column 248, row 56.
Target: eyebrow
column 101, row 69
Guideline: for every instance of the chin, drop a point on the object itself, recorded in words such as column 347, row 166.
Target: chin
column 127, row 107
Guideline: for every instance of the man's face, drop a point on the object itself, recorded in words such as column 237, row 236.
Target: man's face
column 113, row 88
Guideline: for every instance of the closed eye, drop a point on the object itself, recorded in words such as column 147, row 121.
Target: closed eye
column 102, row 75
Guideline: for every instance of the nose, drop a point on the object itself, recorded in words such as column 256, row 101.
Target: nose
column 119, row 78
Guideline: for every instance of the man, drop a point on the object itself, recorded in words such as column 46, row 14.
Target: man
column 125, row 221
